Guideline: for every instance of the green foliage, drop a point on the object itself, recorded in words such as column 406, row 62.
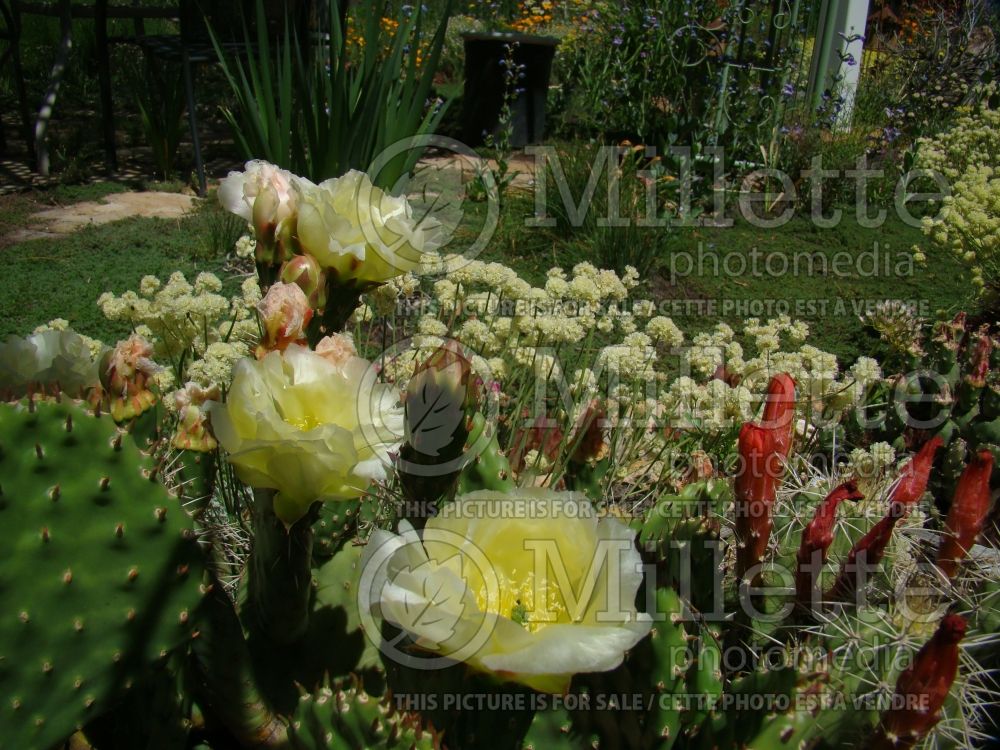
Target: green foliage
column 106, row 576
column 321, row 110
column 159, row 97
column 952, row 390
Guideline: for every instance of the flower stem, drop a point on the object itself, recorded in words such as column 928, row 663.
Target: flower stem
column 280, row 571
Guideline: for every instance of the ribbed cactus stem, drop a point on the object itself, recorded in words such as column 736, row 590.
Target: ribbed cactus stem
column 865, row 555
column 225, row 681
column 280, row 571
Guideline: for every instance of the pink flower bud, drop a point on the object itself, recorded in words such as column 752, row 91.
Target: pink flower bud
column 125, row 372
column 284, row 313
column 337, row 349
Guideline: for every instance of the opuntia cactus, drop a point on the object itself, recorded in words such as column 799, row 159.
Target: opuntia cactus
column 105, row 573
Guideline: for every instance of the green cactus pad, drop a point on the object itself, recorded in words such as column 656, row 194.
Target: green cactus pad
column 489, row 469
column 553, row 730
column 102, row 575
column 337, row 523
column 344, row 716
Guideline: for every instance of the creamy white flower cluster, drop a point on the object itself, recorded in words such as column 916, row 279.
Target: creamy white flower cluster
column 489, row 307
column 968, row 223
column 201, row 332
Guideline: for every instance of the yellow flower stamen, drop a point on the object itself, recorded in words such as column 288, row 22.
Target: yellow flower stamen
column 516, row 599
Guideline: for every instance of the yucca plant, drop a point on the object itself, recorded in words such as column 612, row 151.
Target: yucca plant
column 320, row 107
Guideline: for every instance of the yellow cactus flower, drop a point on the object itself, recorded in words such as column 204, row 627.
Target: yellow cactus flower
column 312, row 429
column 358, row 231
column 531, row 586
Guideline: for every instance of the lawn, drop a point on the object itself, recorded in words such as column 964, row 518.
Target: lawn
column 700, row 275
column 703, row 275
column 63, row 277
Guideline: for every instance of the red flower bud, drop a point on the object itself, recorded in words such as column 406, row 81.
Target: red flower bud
column 922, row 688
column 968, row 509
column 779, row 411
column 866, row 554
column 755, row 494
column 817, row 538
column 913, row 482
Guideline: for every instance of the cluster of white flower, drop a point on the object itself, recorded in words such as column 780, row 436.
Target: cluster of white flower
column 491, row 309
column 779, row 347
column 898, row 325
column 196, row 329
column 581, row 330
column 969, row 220
column 246, row 246
column 711, row 408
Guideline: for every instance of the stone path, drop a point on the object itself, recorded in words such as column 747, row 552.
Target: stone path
column 53, row 222
column 437, row 171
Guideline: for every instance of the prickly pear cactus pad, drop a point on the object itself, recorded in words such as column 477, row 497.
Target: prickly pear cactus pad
column 101, row 573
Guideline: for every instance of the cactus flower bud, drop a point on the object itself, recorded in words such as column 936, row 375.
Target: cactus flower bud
column 922, row 688
column 284, row 313
column 755, row 494
column 125, row 372
column 337, row 349
column 193, row 430
column 442, row 391
column 263, row 195
column 305, row 271
column 818, row 536
column 779, row 411
column 968, row 509
column 866, row 554
column 440, row 400
column 913, row 481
